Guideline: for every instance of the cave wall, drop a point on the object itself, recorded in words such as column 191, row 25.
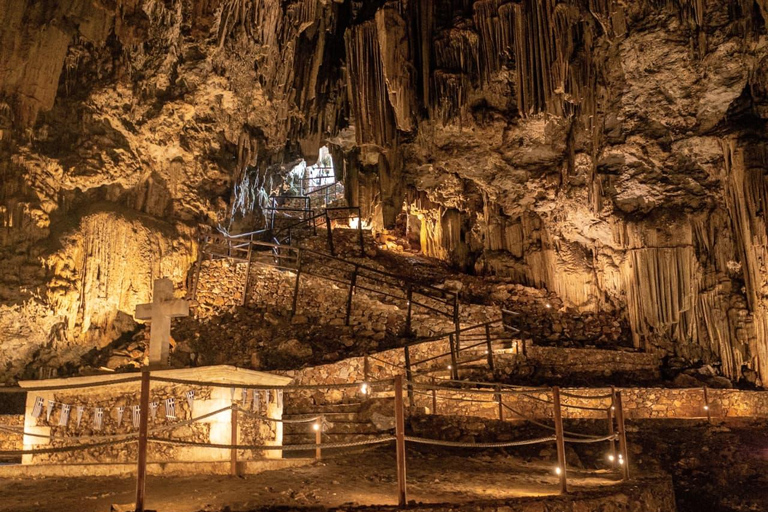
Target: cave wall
column 609, row 151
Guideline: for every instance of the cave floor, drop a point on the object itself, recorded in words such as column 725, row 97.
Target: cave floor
column 361, row 478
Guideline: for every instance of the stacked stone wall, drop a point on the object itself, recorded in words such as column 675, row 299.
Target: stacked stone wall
column 10, row 440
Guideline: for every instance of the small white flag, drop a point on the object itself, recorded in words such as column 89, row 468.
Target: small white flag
column 136, row 416
column 80, row 411
column 280, row 399
column 37, row 410
column 267, row 397
column 120, row 411
column 245, row 396
column 256, row 401
column 170, row 408
column 64, row 418
column 153, row 409
column 98, row 418
column 232, row 394
column 49, row 410
column 191, row 399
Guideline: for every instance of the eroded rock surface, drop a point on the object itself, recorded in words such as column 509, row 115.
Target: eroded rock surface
column 610, row 152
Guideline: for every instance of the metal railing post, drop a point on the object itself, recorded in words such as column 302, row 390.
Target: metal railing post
column 352, row 284
column 501, row 403
column 360, row 232
column 611, row 430
column 330, row 234
column 409, row 298
column 623, row 453
column 408, row 373
column 489, row 347
column 454, row 358
column 457, row 326
column 559, row 434
column 434, row 396
column 296, row 286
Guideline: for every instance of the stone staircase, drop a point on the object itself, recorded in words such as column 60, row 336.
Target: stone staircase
column 341, row 422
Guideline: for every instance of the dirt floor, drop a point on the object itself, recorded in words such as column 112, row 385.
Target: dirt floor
column 364, row 478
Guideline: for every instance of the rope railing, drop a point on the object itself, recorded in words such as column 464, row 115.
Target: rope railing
column 399, row 384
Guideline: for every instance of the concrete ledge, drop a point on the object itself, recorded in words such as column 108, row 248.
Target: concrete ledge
column 153, row 468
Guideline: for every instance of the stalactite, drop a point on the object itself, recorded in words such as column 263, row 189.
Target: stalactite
column 492, row 24
column 374, row 117
column 392, row 32
column 747, row 202
column 457, row 50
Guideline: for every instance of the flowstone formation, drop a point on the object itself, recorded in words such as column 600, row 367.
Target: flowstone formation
column 610, row 152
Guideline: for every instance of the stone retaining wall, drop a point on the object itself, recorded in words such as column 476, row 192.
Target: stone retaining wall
column 8, row 440
column 638, row 403
column 220, row 287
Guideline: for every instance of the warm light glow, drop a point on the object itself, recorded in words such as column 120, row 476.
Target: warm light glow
column 611, row 458
column 558, row 470
column 449, row 367
column 549, row 305
column 354, row 223
column 315, row 427
column 364, row 388
column 706, row 407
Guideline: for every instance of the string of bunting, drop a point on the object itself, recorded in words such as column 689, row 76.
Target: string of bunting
column 47, row 407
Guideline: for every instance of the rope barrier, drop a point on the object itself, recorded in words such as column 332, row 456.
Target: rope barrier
column 586, row 397
column 295, row 447
column 276, row 420
column 591, row 439
column 457, row 444
column 298, row 387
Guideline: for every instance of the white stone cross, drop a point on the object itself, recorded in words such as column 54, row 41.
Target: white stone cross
column 160, row 311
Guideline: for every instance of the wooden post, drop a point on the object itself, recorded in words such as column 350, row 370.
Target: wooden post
column 501, row 404
column 454, row 369
column 611, row 431
column 318, row 437
column 706, row 405
column 330, row 233
column 489, row 346
column 434, row 396
column 296, row 286
column 622, row 437
column 366, row 368
column 141, row 475
column 558, row 413
column 408, row 373
column 400, row 441
column 233, row 442
column 360, row 232
column 409, row 297
column 352, row 284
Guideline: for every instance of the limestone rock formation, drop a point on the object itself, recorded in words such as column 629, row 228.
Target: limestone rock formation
column 611, row 152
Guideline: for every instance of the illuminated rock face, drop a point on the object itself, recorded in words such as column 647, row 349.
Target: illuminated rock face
column 613, row 155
